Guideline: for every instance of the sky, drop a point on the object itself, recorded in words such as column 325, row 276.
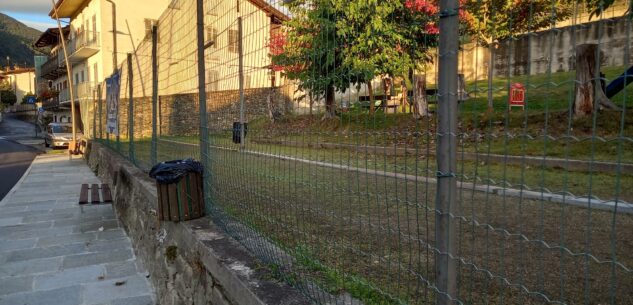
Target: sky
column 33, row 13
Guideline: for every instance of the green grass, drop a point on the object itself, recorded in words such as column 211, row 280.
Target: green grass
column 367, row 235
column 544, row 92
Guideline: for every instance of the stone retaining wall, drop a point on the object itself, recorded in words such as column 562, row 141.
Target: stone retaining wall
column 191, row 262
column 179, row 114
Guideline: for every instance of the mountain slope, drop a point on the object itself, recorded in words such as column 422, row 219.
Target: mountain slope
column 16, row 40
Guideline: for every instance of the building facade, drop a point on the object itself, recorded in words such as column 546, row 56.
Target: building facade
column 21, row 80
column 99, row 31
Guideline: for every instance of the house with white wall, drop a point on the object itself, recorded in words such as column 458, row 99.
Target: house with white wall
column 21, row 80
column 98, row 35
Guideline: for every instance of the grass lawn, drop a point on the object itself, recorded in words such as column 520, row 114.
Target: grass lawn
column 373, row 236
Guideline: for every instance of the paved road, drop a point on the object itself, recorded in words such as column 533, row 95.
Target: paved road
column 15, row 129
column 15, row 158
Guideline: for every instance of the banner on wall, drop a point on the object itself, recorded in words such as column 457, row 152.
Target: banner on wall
column 113, row 88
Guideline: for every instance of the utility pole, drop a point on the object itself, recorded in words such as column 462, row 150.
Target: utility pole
column 115, row 63
column 70, row 80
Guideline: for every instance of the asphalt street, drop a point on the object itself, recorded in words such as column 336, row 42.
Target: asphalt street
column 15, row 158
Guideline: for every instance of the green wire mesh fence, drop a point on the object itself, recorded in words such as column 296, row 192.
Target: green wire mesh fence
column 400, row 152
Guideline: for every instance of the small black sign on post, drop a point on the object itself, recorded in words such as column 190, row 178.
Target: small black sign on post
column 236, row 132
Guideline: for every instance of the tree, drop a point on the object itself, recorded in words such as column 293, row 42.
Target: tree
column 333, row 44
column 312, row 51
column 494, row 21
column 6, row 93
column 389, row 38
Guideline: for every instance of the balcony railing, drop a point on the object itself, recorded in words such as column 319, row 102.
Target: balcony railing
column 82, row 91
column 83, row 45
column 54, row 67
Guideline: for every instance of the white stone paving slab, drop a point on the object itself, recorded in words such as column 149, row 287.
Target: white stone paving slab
column 54, row 252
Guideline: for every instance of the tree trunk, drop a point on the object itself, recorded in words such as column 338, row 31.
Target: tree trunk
column 386, row 96
column 329, row 102
column 462, row 94
column 311, row 101
column 588, row 92
column 272, row 112
column 420, row 108
column 405, row 93
column 491, row 67
column 370, row 91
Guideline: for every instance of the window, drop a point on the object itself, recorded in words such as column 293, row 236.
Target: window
column 174, row 4
column 94, row 26
column 212, row 80
column 247, row 81
column 149, row 23
column 76, row 78
column 87, row 74
column 233, row 37
column 96, row 72
column 211, row 7
column 212, row 35
column 82, row 76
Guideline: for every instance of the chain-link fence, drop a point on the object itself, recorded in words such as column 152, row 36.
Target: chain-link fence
column 400, row 152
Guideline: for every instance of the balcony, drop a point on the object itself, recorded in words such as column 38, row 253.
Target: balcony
column 82, row 91
column 82, row 46
column 54, row 67
column 50, row 104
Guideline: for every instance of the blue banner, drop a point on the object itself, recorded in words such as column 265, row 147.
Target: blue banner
column 113, row 89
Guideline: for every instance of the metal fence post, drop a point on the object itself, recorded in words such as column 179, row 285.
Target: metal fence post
column 241, row 80
column 99, row 102
column 202, row 99
column 154, row 149
column 130, row 109
column 446, row 200
column 94, row 113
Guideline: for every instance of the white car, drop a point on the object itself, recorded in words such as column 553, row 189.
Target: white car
column 59, row 135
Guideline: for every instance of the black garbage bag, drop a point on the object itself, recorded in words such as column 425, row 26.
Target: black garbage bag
column 172, row 171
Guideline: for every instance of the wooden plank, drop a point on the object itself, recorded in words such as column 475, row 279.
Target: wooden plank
column 83, row 195
column 106, row 195
column 159, row 192
column 185, row 200
column 193, row 190
column 164, row 190
column 94, row 194
column 200, row 194
column 173, row 202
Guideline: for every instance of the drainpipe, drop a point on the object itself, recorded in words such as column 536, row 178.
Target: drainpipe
column 115, row 62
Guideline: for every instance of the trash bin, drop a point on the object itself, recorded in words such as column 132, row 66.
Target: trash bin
column 237, row 133
column 179, row 188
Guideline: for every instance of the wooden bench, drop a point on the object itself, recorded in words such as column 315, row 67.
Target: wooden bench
column 98, row 194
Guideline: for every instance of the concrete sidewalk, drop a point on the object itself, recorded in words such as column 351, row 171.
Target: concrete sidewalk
column 52, row 253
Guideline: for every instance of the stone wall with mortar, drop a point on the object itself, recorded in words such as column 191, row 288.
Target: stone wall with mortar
column 191, row 262
column 179, row 114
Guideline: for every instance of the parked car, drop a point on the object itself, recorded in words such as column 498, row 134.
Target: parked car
column 59, row 135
